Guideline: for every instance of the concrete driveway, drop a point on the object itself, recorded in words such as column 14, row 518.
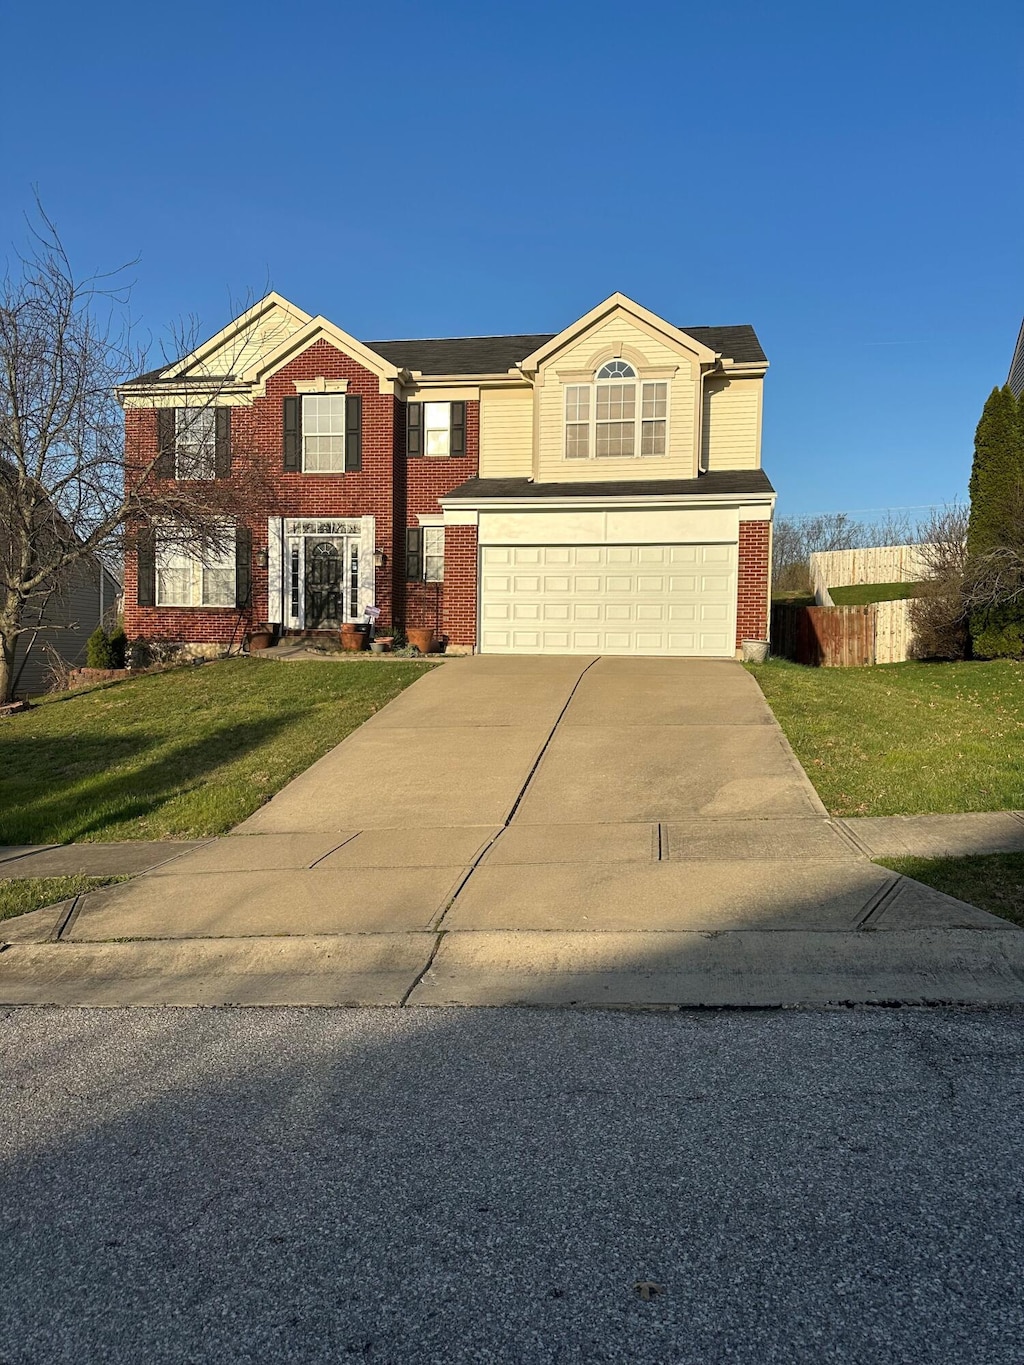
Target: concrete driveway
column 548, row 830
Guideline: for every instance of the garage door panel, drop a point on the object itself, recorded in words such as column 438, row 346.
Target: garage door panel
column 615, row 599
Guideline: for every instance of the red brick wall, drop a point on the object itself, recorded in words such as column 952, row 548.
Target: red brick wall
column 388, row 488
column 460, row 584
column 752, row 587
column 428, row 478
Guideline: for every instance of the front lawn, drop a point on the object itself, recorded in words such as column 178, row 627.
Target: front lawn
column 182, row 754
column 905, row 739
column 993, row 882
column 861, row 594
column 18, row 897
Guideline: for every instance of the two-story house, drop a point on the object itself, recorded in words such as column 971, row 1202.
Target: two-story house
column 594, row 491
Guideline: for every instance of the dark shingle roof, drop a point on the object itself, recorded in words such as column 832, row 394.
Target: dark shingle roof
column 716, row 483
column 461, row 355
column 496, row 355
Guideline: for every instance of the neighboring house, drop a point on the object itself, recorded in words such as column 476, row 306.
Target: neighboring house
column 89, row 595
column 598, row 490
column 1015, row 379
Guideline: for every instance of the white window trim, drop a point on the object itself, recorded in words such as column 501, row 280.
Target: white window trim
column 447, row 428
column 336, row 468
column 640, row 380
column 185, row 466
column 196, row 570
column 433, row 531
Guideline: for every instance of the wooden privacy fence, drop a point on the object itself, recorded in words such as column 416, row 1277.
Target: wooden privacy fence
column 877, row 564
column 842, row 637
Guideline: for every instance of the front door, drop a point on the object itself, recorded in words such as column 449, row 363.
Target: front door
column 325, row 584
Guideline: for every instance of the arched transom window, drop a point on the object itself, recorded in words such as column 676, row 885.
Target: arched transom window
column 602, row 419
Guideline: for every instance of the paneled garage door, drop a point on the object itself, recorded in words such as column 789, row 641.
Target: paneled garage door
column 608, row 599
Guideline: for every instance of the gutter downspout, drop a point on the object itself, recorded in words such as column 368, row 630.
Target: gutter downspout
column 715, row 369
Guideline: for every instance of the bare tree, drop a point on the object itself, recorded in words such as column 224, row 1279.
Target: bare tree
column 939, row 616
column 68, row 492
column 797, row 538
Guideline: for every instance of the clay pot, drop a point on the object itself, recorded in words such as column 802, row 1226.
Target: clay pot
column 353, row 638
column 422, row 638
column 261, row 639
column 382, row 644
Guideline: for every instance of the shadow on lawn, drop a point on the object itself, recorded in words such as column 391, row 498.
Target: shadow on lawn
column 84, row 797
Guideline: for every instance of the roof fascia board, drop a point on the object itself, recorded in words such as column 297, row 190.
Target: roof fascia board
column 618, row 303
column 570, row 503
column 251, row 315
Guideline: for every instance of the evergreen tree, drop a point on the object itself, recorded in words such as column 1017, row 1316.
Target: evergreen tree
column 996, row 491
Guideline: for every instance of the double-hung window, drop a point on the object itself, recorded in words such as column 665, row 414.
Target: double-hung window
column 424, row 554
column 437, row 428
column 602, row 420
column 196, row 575
column 323, row 433
column 195, row 443
column 433, row 554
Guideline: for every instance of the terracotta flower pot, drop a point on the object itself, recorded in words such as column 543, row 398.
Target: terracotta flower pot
column 382, row 644
column 261, row 639
column 421, row 638
column 353, row 638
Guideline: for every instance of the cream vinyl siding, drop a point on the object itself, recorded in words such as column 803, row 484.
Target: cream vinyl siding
column 643, row 350
column 732, row 424
column 506, row 433
column 263, row 335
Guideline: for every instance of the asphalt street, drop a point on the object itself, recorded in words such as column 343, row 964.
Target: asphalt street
column 491, row 1185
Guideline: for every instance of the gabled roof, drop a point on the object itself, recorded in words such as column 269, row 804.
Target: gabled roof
column 463, row 356
column 498, row 355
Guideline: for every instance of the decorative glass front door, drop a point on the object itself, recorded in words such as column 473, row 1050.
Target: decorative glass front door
column 325, row 584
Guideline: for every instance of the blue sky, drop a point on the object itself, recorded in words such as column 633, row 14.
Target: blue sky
column 845, row 177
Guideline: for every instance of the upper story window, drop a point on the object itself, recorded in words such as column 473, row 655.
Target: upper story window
column 436, row 429
column 195, row 443
column 602, row 421
column 323, row 433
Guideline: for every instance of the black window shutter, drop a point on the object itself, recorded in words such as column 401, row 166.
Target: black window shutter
column 414, row 428
column 243, row 565
column 293, row 433
column 222, row 455
column 164, row 466
column 414, row 553
column 145, row 561
column 458, row 442
column 353, row 432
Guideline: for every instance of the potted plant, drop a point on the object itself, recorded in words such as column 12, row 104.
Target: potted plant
column 353, row 636
column 421, row 638
column 262, row 635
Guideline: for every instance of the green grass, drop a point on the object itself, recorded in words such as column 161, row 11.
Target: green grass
column 905, row 739
column 860, row 594
column 33, row 893
column 179, row 754
column 993, row 882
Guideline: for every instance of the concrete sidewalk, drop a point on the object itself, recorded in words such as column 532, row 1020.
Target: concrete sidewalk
column 549, row 830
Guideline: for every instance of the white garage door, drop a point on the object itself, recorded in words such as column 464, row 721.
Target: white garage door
column 608, row 599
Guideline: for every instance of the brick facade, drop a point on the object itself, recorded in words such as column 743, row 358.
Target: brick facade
column 395, row 490
column 752, row 585
column 460, row 584
column 388, row 487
